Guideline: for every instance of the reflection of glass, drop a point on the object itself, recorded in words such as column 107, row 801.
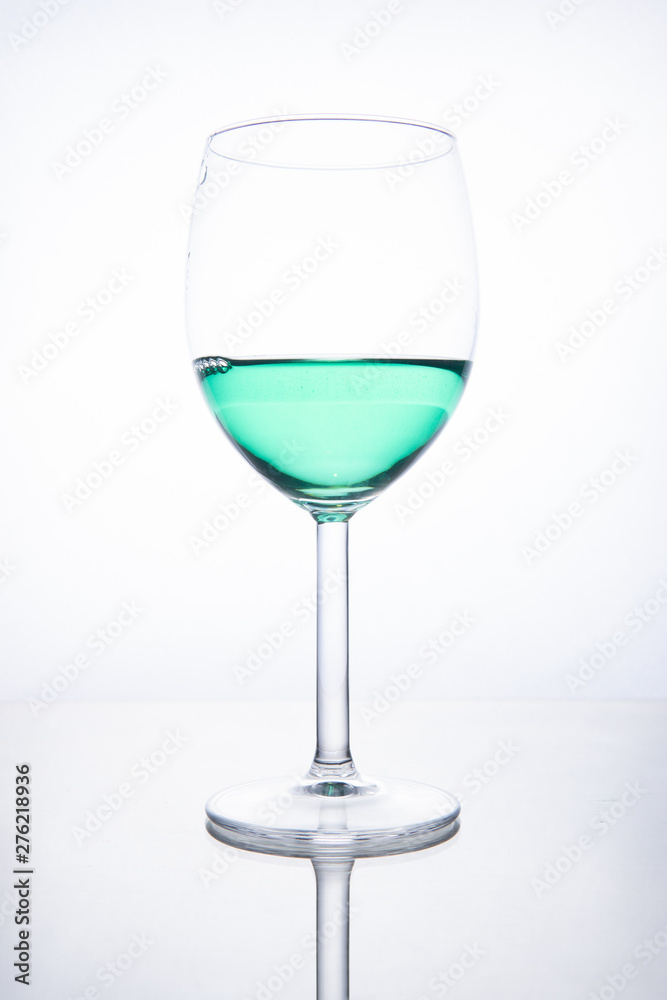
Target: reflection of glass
column 333, row 929
column 332, row 318
column 332, row 875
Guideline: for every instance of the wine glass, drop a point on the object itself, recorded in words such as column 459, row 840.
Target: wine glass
column 332, row 303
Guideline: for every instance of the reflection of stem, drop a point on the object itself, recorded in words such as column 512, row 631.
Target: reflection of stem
column 333, row 929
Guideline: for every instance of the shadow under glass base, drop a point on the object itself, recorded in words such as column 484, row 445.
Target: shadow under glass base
column 300, row 817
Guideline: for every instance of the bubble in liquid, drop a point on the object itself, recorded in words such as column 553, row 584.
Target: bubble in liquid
column 211, row 366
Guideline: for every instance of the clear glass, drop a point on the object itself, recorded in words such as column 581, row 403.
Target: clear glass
column 332, row 306
column 332, row 935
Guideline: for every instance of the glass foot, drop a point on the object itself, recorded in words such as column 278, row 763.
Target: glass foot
column 337, row 817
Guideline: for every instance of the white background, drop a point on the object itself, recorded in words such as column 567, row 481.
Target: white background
column 546, row 85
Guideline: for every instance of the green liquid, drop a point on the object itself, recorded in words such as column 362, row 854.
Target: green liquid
column 332, row 434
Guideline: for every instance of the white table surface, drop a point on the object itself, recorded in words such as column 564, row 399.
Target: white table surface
column 216, row 922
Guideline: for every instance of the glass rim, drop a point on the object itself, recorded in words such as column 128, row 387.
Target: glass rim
column 391, row 163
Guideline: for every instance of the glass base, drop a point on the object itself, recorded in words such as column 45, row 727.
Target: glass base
column 341, row 817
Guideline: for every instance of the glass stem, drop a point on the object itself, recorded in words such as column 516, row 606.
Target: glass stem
column 333, row 929
column 332, row 757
